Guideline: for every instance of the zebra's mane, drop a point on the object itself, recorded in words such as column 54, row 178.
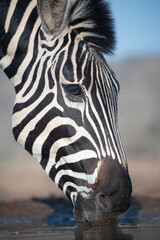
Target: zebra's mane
column 93, row 19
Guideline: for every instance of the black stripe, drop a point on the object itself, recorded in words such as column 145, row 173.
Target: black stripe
column 42, row 36
column 79, row 59
column 29, row 67
column 59, row 65
column 79, row 145
column 50, row 48
column 87, row 72
column 4, row 39
column 82, row 166
column 69, row 191
column 77, row 181
column 50, row 79
column 68, row 69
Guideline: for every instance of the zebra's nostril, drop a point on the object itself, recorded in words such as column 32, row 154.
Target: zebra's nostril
column 102, row 200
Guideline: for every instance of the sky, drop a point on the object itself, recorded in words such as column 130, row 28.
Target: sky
column 137, row 27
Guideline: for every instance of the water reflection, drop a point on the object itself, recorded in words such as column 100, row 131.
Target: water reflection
column 101, row 233
column 74, row 232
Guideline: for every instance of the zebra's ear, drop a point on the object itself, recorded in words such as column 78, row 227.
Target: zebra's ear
column 54, row 14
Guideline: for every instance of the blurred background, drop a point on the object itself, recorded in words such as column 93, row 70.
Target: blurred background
column 136, row 63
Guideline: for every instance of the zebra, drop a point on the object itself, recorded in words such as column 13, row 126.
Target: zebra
column 65, row 111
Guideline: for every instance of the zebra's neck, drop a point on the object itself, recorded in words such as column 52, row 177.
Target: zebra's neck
column 18, row 27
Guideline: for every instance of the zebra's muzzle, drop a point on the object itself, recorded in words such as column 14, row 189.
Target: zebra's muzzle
column 110, row 197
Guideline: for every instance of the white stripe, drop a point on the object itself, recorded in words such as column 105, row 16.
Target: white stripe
column 86, row 24
column 11, row 10
column 73, row 197
column 76, row 157
column 90, row 178
column 78, row 188
column 74, row 62
column 112, row 152
column 95, row 129
column 124, row 158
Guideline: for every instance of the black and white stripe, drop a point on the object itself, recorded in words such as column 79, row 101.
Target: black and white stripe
column 69, row 135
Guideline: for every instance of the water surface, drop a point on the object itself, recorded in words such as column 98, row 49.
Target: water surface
column 53, row 219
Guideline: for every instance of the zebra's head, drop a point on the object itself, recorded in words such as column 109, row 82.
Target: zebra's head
column 73, row 126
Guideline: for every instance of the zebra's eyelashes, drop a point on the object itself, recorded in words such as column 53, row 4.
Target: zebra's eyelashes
column 74, row 92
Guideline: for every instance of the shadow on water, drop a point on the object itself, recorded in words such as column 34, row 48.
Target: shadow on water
column 62, row 211
column 131, row 216
column 142, row 221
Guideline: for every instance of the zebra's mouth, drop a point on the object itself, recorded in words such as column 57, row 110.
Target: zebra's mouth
column 92, row 211
column 88, row 211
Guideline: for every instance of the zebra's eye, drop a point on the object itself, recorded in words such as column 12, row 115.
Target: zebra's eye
column 74, row 92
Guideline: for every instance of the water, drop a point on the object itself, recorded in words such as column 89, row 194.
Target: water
column 142, row 221
column 81, row 233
